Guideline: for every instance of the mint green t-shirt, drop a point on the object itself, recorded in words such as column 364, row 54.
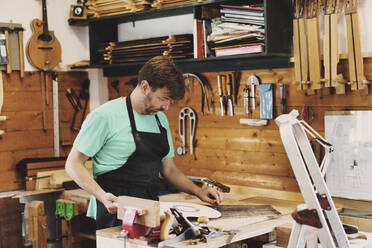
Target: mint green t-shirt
column 106, row 137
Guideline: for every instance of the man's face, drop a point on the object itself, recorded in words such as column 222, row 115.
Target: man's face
column 157, row 100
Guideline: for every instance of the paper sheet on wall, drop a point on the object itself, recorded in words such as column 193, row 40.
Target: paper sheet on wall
column 350, row 170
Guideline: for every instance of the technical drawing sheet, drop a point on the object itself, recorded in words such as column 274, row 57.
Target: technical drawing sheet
column 349, row 173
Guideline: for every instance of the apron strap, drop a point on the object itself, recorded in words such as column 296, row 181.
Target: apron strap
column 131, row 117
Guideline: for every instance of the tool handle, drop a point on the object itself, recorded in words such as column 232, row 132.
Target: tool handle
column 21, row 58
column 220, row 93
column 228, row 85
column 253, row 96
column 224, row 84
column 9, row 65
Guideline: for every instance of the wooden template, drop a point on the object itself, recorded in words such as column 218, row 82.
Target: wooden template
column 330, row 48
column 300, row 51
column 356, row 72
column 312, row 21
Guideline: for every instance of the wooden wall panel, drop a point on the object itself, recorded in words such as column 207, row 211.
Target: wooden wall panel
column 238, row 154
column 24, row 135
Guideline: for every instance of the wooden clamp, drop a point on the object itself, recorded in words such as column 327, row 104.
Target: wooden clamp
column 330, row 45
column 147, row 211
column 300, row 50
column 356, row 73
column 313, row 9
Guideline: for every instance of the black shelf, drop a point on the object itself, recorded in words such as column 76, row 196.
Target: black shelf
column 146, row 14
column 278, row 36
column 77, row 22
column 227, row 63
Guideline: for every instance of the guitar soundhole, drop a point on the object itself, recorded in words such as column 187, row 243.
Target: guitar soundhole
column 45, row 37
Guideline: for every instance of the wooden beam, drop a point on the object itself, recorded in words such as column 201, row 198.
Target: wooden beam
column 37, row 227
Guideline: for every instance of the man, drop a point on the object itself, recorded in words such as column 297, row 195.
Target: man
column 130, row 144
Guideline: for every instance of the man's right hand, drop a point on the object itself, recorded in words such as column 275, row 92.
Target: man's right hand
column 110, row 202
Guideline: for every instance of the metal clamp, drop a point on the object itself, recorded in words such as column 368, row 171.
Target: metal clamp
column 186, row 112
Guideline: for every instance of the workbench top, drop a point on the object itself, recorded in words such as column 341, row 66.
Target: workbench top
column 110, row 237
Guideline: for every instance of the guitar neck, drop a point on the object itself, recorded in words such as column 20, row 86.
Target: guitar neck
column 203, row 181
column 45, row 19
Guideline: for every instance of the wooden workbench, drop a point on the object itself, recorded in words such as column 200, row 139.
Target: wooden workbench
column 283, row 201
column 110, row 237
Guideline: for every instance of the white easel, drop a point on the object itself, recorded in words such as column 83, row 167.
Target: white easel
column 320, row 206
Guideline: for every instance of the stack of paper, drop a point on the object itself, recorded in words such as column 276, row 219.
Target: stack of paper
column 239, row 30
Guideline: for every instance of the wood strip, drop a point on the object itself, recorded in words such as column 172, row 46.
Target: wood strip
column 314, row 53
column 331, row 57
column 356, row 71
column 304, row 53
column 296, row 51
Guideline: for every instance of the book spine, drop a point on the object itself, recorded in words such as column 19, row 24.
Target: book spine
column 239, row 50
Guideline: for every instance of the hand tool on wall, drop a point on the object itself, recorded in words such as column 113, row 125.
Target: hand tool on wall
column 312, row 21
column 84, row 94
column 55, row 114
column 283, row 98
column 11, row 47
column 246, row 99
column 75, row 103
column 205, row 88
column 2, row 118
column 235, row 78
column 266, row 101
column 3, row 49
column 20, row 30
column 330, row 47
column 9, row 65
column 300, row 51
column 116, row 86
column 7, row 49
column 220, row 94
column 253, row 81
column 355, row 58
column 186, row 112
column 230, row 107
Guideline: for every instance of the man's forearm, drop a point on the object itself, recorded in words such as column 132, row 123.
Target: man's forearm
column 76, row 169
column 83, row 178
column 178, row 180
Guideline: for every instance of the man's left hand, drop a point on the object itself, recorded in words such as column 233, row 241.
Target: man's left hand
column 210, row 195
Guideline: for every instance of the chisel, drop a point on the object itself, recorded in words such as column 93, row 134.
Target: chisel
column 220, row 93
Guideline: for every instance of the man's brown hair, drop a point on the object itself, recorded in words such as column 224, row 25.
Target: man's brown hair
column 160, row 72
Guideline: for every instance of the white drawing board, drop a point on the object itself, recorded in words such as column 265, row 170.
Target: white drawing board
column 350, row 170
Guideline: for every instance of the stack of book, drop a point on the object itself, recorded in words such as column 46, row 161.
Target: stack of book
column 242, row 14
column 239, row 30
column 140, row 50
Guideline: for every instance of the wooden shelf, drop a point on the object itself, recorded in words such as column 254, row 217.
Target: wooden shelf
column 278, row 39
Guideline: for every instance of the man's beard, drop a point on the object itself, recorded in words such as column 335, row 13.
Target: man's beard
column 149, row 109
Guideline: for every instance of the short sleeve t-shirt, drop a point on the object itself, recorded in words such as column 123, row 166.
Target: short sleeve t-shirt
column 106, row 137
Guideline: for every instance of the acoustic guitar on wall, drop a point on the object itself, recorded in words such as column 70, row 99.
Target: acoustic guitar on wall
column 43, row 48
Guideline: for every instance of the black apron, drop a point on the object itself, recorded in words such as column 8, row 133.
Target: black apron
column 139, row 176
